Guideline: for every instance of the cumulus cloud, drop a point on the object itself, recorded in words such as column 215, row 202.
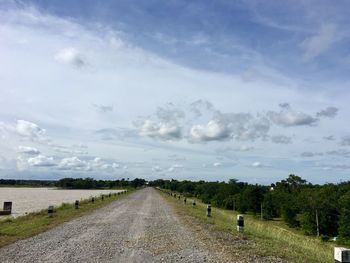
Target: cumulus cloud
column 317, row 44
column 213, row 130
column 28, row 150
column 29, row 129
column 70, row 56
column 41, row 161
column 217, row 164
column 161, row 130
column 99, row 164
column 288, row 117
column 281, row 139
column 72, row 163
column 224, row 126
column 329, row 112
column 96, row 164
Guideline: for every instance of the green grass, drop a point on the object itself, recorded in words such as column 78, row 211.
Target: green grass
column 272, row 238
column 13, row 229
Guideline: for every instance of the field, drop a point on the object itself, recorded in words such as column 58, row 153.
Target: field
column 28, row 200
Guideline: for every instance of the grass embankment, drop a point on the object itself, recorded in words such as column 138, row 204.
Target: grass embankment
column 272, row 238
column 13, row 229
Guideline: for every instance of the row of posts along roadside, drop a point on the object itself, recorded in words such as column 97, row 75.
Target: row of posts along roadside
column 341, row 254
column 239, row 220
column 51, row 209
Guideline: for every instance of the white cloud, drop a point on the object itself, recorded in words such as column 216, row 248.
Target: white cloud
column 164, row 131
column 99, row 164
column 217, row 164
column 287, row 117
column 29, row 129
column 96, row 164
column 28, row 150
column 41, row 161
column 213, row 130
column 70, row 56
column 72, row 163
column 317, row 44
column 257, row 165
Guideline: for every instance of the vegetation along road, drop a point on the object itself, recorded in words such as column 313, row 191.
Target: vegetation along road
column 141, row 227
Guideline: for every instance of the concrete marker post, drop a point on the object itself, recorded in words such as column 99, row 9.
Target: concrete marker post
column 209, row 210
column 240, row 223
column 50, row 211
column 8, row 207
column 76, row 204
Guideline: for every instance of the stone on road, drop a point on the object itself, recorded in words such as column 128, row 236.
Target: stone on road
column 141, row 227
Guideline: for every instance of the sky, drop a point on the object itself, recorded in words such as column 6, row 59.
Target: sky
column 196, row 90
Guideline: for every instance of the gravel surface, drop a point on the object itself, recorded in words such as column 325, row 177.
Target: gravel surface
column 141, row 227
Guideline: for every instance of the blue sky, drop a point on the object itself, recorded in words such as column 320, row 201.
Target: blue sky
column 253, row 90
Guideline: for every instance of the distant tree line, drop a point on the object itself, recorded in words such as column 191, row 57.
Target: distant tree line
column 90, row 183
column 317, row 209
column 75, row 183
column 27, row 183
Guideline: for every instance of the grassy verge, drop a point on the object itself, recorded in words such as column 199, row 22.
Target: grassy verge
column 13, row 229
column 272, row 238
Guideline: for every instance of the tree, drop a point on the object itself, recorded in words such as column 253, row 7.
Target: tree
column 344, row 220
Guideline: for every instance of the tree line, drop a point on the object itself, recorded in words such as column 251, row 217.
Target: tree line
column 75, row 183
column 322, row 210
column 90, row 183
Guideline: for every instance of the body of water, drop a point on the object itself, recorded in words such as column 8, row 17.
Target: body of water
column 27, row 200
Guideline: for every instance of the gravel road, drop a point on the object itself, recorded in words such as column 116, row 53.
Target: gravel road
column 141, row 227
